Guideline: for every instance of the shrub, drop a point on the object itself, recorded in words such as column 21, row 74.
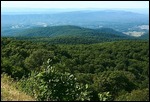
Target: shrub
column 52, row 85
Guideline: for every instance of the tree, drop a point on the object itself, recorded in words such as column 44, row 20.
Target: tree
column 36, row 59
column 135, row 95
column 113, row 82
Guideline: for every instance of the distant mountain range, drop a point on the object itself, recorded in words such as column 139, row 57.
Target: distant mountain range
column 58, row 10
column 118, row 20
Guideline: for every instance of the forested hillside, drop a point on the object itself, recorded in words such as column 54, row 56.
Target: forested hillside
column 109, row 71
column 67, row 34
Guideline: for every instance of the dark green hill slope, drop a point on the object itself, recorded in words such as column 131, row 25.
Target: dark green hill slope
column 66, row 30
column 69, row 34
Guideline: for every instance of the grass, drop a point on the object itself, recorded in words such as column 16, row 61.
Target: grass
column 9, row 91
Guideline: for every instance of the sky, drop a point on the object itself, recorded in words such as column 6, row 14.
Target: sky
column 74, row 4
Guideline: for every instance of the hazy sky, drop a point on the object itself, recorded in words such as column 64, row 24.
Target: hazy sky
column 75, row 4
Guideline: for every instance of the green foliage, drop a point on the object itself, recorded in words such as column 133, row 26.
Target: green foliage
column 135, row 95
column 104, row 96
column 52, row 85
column 114, row 82
column 36, row 59
column 116, row 67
